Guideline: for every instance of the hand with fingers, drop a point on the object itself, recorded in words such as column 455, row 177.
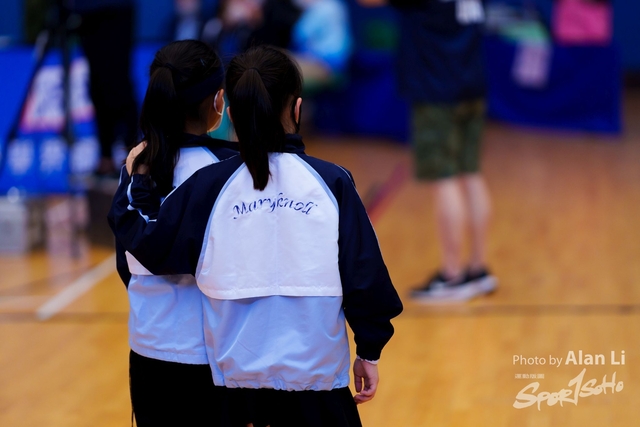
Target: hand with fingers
column 365, row 377
column 135, row 151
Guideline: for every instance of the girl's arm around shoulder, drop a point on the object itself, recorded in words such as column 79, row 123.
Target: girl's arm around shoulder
column 133, row 213
column 169, row 242
column 147, row 229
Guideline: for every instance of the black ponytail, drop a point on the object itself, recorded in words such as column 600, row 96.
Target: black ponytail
column 262, row 84
column 160, row 120
column 183, row 75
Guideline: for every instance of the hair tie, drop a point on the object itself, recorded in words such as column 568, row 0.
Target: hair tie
column 254, row 68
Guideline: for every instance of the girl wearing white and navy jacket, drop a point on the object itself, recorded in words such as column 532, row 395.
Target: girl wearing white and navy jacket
column 281, row 245
column 170, row 377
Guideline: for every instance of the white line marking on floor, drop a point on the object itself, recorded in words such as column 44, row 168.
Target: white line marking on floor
column 20, row 301
column 76, row 289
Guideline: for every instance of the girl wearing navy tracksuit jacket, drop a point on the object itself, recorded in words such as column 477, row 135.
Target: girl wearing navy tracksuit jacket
column 168, row 350
column 282, row 247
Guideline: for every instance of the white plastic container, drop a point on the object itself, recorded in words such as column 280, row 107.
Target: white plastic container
column 21, row 224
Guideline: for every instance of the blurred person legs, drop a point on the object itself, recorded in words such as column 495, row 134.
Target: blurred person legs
column 107, row 35
column 447, row 148
column 440, row 70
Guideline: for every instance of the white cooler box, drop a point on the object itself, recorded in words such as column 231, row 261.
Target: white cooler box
column 21, row 224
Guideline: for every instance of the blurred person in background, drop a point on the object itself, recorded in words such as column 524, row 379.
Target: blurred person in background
column 278, row 20
column 317, row 32
column 106, row 35
column 440, row 67
column 188, row 22
column 321, row 40
column 231, row 30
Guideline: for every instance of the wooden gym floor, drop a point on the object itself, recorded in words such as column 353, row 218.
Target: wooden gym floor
column 565, row 245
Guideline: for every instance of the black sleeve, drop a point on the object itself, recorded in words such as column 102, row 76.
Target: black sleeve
column 121, row 264
column 134, row 220
column 121, row 259
column 369, row 299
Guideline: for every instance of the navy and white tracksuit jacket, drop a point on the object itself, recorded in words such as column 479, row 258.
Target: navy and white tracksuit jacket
column 282, row 268
column 165, row 314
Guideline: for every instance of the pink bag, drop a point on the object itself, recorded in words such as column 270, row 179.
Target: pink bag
column 582, row 22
